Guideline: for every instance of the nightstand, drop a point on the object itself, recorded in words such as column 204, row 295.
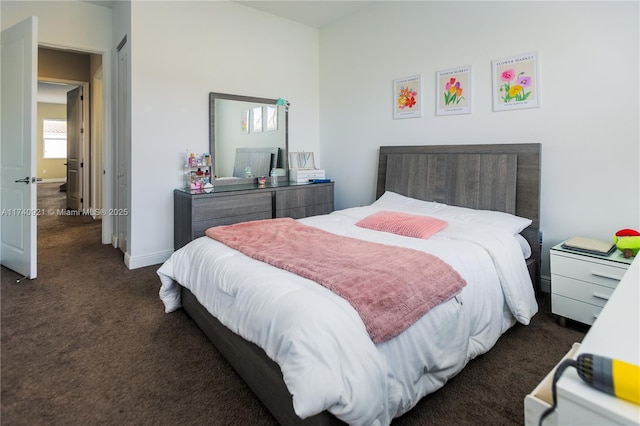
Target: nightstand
column 615, row 335
column 582, row 283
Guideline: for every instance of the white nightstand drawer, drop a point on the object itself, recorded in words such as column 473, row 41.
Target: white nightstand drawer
column 570, row 308
column 541, row 397
column 582, row 291
column 588, row 271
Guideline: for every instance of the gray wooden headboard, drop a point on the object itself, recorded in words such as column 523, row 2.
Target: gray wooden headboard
column 502, row 177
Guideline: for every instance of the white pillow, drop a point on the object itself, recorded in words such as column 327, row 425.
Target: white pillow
column 502, row 220
column 394, row 201
column 511, row 223
column 524, row 245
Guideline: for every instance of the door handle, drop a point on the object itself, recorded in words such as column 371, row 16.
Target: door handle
column 605, row 275
column 25, row 180
column 600, row 296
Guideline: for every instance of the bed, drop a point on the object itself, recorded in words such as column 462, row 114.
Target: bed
column 305, row 351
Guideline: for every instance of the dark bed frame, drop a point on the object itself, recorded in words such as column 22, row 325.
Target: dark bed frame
column 503, row 177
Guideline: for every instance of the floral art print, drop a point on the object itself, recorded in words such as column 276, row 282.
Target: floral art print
column 515, row 83
column 454, row 91
column 406, row 92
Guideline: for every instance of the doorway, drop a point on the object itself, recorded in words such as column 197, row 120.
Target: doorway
column 23, row 66
column 54, row 132
column 59, row 72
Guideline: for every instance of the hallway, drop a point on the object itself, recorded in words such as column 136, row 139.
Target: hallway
column 54, row 223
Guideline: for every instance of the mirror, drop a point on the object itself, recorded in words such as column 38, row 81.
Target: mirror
column 248, row 136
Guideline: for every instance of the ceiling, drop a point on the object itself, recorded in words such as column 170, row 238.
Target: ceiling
column 54, row 93
column 106, row 3
column 315, row 13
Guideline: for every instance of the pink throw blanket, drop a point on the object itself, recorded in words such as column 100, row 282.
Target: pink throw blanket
column 390, row 287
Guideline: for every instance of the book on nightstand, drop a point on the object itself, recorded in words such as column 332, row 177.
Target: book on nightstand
column 589, row 245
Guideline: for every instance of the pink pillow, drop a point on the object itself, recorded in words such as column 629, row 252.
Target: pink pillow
column 405, row 224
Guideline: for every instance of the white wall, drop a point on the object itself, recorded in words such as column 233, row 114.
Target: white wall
column 588, row 124
column 78, row 25
column 181, row 51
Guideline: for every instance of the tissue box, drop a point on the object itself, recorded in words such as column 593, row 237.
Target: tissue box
column 303, row 167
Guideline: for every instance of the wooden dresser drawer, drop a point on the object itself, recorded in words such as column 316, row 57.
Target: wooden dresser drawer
column 582, row 291
column 232, row 206
column 193, row 214
column 304, row 201
column 200, row 227
column 589, row 271
column 304, row 196
column 305, row 211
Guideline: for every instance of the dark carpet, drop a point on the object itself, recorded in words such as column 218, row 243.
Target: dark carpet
column 88, row 342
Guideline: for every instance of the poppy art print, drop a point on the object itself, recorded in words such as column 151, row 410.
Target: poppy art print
column 406, row 97
column 516, row 84
column 454, row 91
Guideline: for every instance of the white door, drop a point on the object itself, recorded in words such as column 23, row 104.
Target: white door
column 75, row 143
column 18, row 147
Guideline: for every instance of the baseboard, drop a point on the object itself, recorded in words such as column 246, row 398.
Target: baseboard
column 545, row 283
column 134, row 262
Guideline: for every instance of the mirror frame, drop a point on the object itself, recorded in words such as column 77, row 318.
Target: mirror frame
column 212, row 136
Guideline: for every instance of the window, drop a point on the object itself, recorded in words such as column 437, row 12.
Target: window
column 54, row 133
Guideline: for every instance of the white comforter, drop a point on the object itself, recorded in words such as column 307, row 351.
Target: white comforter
column 327, row 359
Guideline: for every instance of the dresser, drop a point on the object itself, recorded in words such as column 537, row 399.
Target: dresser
column 616, row 335
column 196, row 211
column 581, row 284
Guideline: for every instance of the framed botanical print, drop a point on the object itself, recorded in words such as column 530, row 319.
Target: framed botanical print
column 516, row 83
column 454, row 91
column 406, row 97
